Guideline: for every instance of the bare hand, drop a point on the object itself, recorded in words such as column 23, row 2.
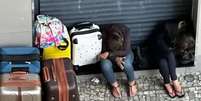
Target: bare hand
column 104, row 55
column 119, row 61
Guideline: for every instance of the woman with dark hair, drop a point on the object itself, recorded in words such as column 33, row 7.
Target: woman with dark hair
column 163, row 44
column 117, row 53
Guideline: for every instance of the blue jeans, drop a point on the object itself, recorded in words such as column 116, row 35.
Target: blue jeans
column 107, row 66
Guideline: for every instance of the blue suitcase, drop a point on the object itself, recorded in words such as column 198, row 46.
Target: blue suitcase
column 19, row 58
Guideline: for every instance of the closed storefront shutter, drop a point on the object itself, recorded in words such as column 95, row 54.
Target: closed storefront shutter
column 139, row 15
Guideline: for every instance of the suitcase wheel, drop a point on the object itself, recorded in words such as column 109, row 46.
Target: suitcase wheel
column 75, row 41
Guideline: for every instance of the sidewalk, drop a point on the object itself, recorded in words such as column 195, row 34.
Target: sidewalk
column 149, row 88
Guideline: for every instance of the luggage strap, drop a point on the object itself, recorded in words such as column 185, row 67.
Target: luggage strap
column 62, row 80
column 29, row 57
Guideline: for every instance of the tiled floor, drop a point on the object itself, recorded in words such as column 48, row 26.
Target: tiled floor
column 149, row 88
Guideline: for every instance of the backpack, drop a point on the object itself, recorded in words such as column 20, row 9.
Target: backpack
column 50, row 32
column 185, row 49
column 183, row 42
column 179, row 38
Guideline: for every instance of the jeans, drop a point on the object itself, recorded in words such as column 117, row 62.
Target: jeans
column 167, row 67
column 107, row 66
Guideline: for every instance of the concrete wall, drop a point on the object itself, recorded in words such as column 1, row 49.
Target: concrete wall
column 16, row 23
column 198, row 37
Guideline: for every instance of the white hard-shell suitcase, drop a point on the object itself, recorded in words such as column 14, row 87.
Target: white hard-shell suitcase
column 86, row 43
column 20, row 86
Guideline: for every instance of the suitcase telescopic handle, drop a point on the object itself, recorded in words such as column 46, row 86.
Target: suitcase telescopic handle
column 46, row 74
column 83, row 25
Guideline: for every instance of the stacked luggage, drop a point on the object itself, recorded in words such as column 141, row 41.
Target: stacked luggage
column 19, row 64
column 52, row 37
column 19, row 68
column 58, row 77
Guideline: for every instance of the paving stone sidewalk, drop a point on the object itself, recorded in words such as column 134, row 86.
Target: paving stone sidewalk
column 149, row 88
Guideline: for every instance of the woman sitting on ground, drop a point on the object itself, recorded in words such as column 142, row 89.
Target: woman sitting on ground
column 117, row 53
column 163, row 43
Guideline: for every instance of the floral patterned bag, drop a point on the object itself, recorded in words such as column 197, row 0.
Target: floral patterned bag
column 50, row 32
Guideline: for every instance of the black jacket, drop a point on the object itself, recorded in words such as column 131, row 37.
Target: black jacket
column 163, row 38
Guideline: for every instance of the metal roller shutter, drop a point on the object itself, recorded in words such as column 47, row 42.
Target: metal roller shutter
column 139, row 15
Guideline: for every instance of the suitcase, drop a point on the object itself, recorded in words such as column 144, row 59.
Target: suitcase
column 20, row 86
column 86, row 43
column 16, row 23
column 24, row 58
column 59, row 81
